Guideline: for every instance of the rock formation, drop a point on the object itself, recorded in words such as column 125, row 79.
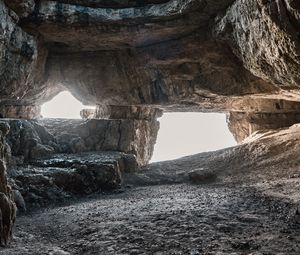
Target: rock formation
column 189, row 55
column 134, row 60
column 7, row 204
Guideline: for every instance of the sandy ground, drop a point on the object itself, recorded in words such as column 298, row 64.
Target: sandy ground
column 164, row 219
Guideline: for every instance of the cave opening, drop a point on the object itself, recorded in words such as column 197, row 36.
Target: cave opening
column 64, row 106
column 187, row 133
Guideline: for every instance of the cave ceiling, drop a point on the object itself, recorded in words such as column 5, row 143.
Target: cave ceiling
column 179, row 55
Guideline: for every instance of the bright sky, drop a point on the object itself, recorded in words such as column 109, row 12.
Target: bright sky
column 183, row 134
column 180, row 134
column 64, row 105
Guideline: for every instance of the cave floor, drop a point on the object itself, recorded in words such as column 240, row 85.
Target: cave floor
column 163, row 219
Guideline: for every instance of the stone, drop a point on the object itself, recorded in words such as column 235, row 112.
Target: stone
column 87, row 114
column 62, row 176
column 132, row 136
column 127, row 112
column 4, row 128
column 41, row 151
column 264, row 38
column 180, row 63
column 77, row 145
column 22, row 7
column 7, row 207
column 19, row 200
column 20, row 112
column 201, row 176
column 244, row 124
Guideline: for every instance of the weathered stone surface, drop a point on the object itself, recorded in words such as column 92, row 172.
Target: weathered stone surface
column 73, row 26
column 31, row 139
column 265, row 37
column 22, row 63
column 22, row 7
column 7, row 204
column 20, row 111
column 62, row 176
column 28, row 139
column 132, row 112
column 87, row 114
column 126, row 135
column 201, row 176
column 41, row 151
column 160, row 53
column 18, row 57
column 243, row 124
column 113, row 3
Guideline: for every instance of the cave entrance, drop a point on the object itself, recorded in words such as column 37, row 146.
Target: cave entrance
column 64, row 106
column 183, row 134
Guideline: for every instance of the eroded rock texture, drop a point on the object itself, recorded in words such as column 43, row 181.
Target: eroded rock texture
column 133, row 60
column 265, row 37
column 179, row 55
column 7, row 204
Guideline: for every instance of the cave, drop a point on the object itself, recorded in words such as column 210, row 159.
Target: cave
column 85, row 183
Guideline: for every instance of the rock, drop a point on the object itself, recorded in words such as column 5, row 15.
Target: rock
column 22, row 7
column 63, row 176
column 20, row 112
column 262, row 35
column 132, row 136
column 127, row 112
column 58, row 251
column 87, row 114
column 7, row 207
column 41, row 151
column 192, row 55
column 201, row 176
column 22, row 60
column 77, row 145
column 244, row 124
column 19, row 200
column 4, row 128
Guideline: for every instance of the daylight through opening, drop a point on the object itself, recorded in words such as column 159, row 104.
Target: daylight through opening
column 64, row 105
column 183, row 134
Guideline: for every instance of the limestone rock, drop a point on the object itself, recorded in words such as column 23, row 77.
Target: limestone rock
column 182, row 55
column 20, row 112
column 243, row 124
column 41, row 151
column 87, row 114
column 201, row 176
column 62, row 176
column 22, row 7
column 7, row 207
column 19, row 200
column 265, row 38
column 126, row 135
column 127, row 112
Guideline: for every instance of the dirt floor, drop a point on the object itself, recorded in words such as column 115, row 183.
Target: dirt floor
column 164, row 219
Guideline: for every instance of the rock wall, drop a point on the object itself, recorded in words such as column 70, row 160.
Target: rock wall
column 20, row 111
column 7, row 205
column 242, row 124
column 131, row 136
column 30, row 140
column 173, row 54
column 264, row 35
column 189, row 55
